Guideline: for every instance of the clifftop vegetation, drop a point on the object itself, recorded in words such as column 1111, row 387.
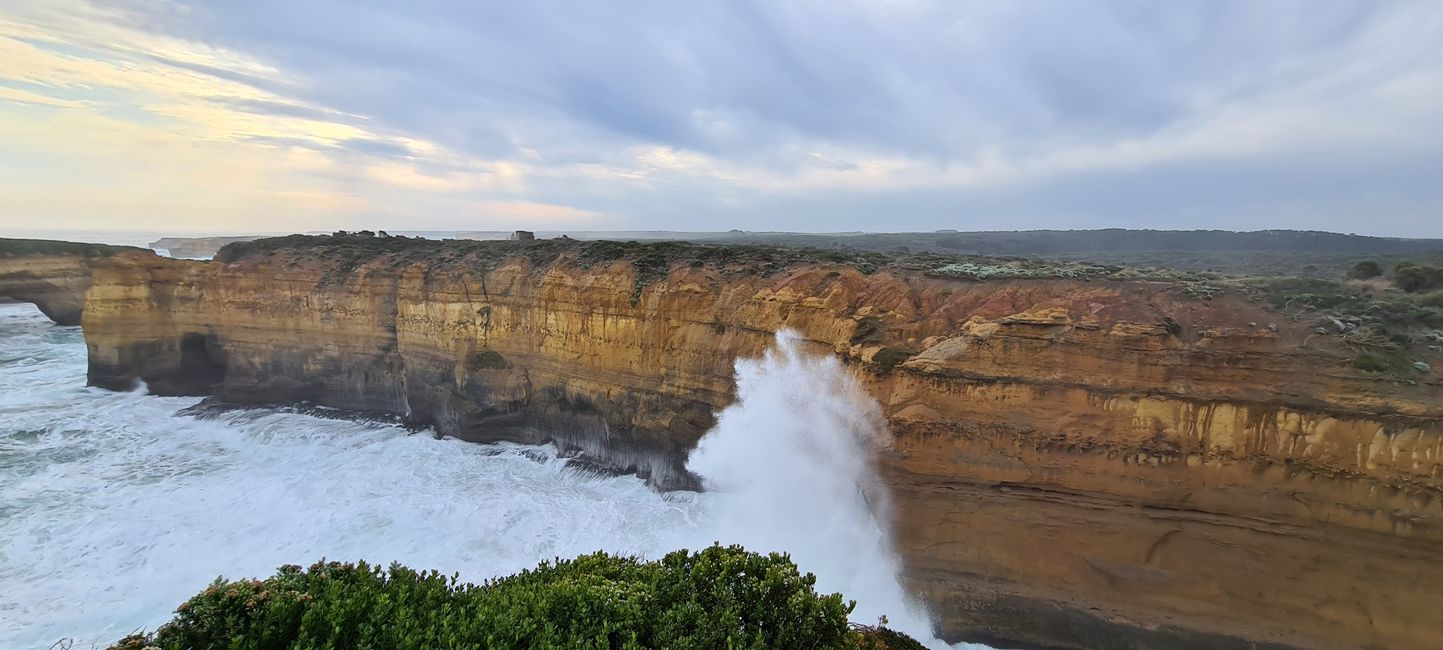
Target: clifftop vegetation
column 1267, row 252
column 1372, row 299
column 649, row 257
column 720, row 597
column 1380, row 312
column 1107, row 240
column 35, row 247
column 1390, row 322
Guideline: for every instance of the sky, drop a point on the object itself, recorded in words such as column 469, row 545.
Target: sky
column 802, row 115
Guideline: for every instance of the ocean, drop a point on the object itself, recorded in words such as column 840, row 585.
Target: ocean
column 114, row 508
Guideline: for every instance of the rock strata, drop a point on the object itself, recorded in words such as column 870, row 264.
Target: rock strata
column 1079, row 463
column 53, row 275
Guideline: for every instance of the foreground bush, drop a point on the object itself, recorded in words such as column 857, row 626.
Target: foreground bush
column 1365, row 270
column 721, row 597
column 1416, row 278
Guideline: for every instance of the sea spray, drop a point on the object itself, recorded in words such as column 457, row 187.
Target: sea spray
column 791, row 466
column 114, row 510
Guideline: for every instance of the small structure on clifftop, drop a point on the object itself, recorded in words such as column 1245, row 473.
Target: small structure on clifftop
column 523, row 235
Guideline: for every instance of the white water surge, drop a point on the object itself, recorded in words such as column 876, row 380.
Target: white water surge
column 113, row 509
column 789, row 467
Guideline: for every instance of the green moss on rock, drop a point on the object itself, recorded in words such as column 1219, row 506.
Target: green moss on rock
column 486, row 360
column 889, row 358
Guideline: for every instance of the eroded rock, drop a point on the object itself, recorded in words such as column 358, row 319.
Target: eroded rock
column 1221, row 484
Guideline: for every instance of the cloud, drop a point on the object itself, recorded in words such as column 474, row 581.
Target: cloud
column 528, row 212
column 806, row 115
column 273, row 107
column 376, row 147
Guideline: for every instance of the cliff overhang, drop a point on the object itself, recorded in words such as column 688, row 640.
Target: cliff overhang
column 52, row 275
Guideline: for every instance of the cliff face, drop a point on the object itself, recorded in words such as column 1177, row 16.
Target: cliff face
column 52, row 275
column 1099, row 464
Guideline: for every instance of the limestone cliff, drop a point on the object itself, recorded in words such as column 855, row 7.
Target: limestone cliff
column 53, row 275
column 1091, row 462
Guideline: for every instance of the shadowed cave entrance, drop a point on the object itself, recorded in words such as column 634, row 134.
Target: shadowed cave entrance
column 200, row 368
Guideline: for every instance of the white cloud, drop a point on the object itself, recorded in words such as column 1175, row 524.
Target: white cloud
column 732, row 114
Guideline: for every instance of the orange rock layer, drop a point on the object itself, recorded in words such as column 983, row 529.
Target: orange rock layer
column 54, row 283
column 1103, row 464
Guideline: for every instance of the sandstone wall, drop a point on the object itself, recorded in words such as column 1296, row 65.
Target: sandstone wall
column 54, row 283
column 53, row 275
column 1068, row 471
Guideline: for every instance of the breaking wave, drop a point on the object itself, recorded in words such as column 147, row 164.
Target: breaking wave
column 115, row 509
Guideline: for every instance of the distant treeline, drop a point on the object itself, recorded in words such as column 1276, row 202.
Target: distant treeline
column 28, row 247
column 1045, row 242
column 1265, row 252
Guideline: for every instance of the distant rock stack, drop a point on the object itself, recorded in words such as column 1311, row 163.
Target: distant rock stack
column 523, row 235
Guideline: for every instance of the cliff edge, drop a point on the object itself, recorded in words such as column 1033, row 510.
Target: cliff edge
column 53, row 275
column 1085, row 457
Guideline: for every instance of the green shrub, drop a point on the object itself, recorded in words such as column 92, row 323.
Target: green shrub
column 1365, row 270
column 1432, row 299
column 486, row 360
column 1335, row 298
column 889, row 358
column 1370, row 362
column 986, row 271
column 880, row 638
column 720, row 597
column 32, row 247
column 1415, row 278
column 1310, row 293
column 869, row 330
column 1390, row 361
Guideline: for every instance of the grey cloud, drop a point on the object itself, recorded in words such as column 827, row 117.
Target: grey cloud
column 268, row 107
column 219, row 72
column 947, row 82
column 935, row 82
column 361, row 146
column 376, row 147
column 286, row 142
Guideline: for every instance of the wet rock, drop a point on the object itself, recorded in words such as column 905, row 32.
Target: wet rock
column 1422, row 366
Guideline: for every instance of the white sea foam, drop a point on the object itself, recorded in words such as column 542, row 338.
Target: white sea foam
column 790, row 465
column 113, row 509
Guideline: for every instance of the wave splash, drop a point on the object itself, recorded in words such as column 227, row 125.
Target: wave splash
column 791, row 465
column 115, row 509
